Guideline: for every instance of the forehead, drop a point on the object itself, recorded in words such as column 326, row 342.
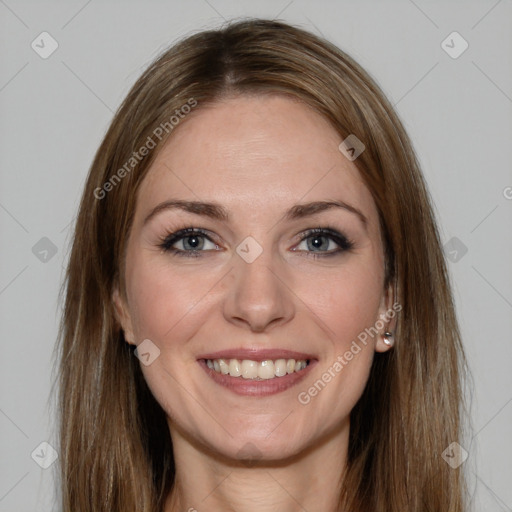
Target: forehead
column 253, row 152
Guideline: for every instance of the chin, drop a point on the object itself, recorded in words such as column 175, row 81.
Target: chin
column 254, row 450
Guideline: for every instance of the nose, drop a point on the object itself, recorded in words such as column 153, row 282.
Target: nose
column 258, row 297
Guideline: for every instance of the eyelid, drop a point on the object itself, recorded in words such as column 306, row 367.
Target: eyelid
column 343, row 241
column 168, row 240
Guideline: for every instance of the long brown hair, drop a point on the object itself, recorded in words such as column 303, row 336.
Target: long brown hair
column 115, row 447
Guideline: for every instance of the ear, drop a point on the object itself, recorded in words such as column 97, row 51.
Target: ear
column 123, row 316
column 386, row 321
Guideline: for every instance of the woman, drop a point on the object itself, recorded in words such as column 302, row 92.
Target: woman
column 258, row 313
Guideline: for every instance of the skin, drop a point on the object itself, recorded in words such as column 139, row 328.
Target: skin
column 257, row 156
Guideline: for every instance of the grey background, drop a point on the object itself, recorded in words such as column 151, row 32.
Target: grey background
column 56, row 110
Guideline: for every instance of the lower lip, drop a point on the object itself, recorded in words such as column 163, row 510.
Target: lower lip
column 250, row 387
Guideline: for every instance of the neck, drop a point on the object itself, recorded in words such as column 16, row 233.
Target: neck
column 308, row 481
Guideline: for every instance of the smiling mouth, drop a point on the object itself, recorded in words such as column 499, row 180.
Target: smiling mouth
column 257, row 370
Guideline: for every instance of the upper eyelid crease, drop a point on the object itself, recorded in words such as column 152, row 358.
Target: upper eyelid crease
column 218, row 212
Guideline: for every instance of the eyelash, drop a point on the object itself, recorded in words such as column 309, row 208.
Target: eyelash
column 341, row 240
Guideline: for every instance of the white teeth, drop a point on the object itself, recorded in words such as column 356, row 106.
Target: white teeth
column 235, row 369
column 256, row 370
column 280, row 367
column 224, row 367
column 266, row 370
column 249, row 369
column 299, row 365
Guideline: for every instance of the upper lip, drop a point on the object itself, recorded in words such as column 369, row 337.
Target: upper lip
column 255, row 354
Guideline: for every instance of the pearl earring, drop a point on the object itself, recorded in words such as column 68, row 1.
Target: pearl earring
column 388, row 338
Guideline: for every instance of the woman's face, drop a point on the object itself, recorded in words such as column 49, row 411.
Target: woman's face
column 286, row 266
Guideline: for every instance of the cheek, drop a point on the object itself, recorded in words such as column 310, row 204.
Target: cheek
column 159, row 296
column 347, row 300
column 348, row 304
column 167, row 307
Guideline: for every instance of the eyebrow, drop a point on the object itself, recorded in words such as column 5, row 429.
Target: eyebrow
column 218, row 212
